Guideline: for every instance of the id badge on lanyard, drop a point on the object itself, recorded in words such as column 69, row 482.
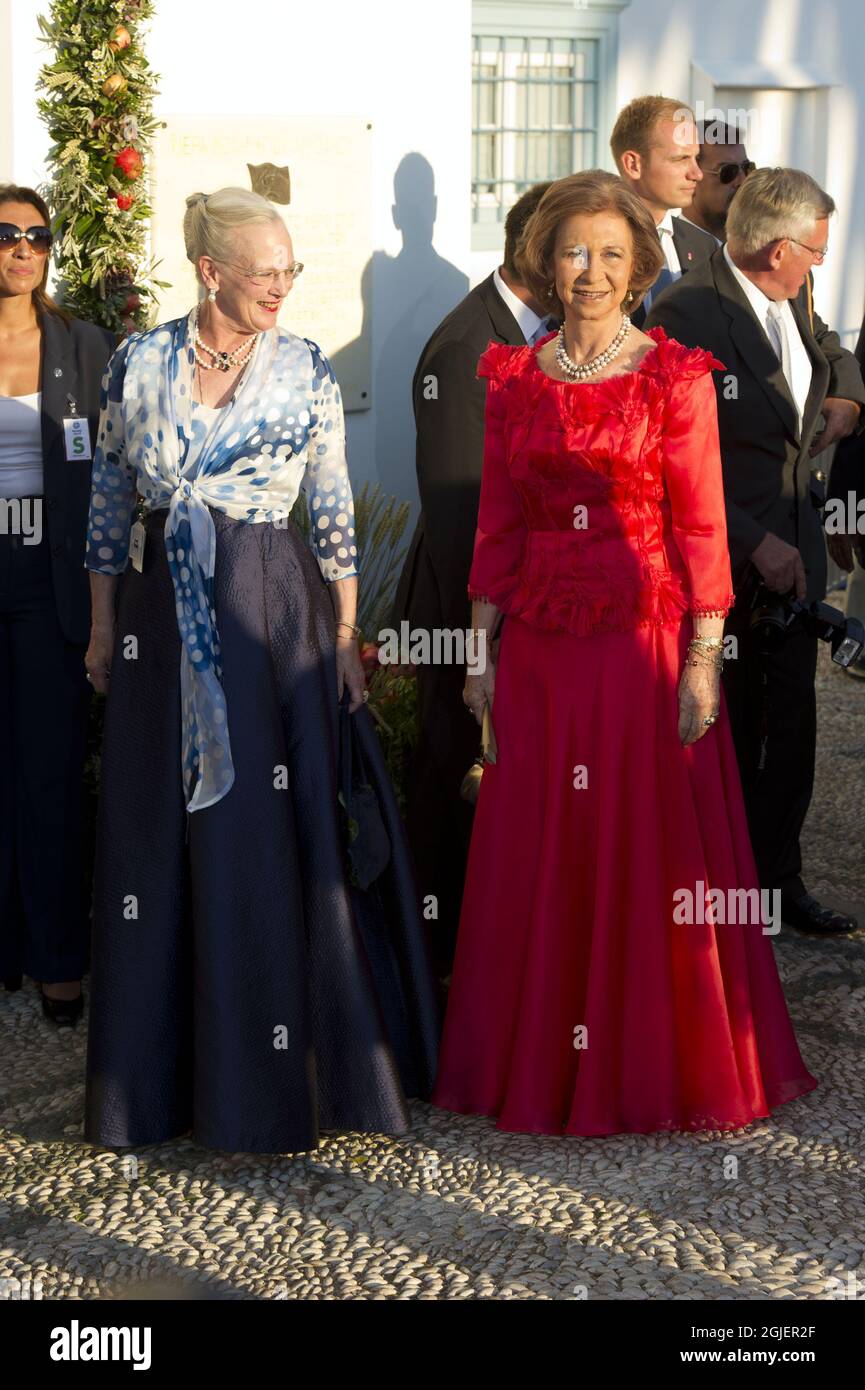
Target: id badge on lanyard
column 76, row 433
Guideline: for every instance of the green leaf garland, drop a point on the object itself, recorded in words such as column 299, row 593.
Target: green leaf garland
column 98, row 105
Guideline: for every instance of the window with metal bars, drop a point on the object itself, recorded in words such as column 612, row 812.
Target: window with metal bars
column 535, row 105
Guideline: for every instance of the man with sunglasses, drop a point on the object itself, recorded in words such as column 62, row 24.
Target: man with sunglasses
column 725, row 167
column 750, row 305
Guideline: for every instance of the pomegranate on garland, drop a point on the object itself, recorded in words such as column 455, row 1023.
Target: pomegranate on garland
column 129, row 161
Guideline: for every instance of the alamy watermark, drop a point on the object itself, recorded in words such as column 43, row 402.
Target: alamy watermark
column 728, row 907
column 437, row 646
column 21, row 516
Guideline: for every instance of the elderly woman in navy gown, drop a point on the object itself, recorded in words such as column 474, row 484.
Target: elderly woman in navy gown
column 234, row 990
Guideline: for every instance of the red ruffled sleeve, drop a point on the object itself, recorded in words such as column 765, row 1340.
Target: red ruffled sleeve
column 692, row 471
column 501, row 530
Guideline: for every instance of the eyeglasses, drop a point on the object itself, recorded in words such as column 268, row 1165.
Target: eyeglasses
column 728, row 172
column 39, row 238
column 818, row 254
column 267, row 277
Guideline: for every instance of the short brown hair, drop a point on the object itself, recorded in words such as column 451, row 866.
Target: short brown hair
column 515, row 223
column 42, row 301
column 592, row 191
column 635, row 124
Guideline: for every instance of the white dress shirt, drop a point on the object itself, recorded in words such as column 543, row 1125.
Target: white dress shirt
column 668, row 246
column 795, row 362
column 530, row 323
column 673, row 270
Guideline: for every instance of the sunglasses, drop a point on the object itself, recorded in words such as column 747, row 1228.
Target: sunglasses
column 728, row 172
column 39, row 238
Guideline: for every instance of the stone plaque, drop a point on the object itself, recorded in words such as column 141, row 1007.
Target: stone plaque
column 329, row 183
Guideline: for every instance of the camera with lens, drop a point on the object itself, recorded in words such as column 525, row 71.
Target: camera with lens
column 774, row 615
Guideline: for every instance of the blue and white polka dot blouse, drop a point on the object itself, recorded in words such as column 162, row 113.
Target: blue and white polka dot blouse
column 284, row 430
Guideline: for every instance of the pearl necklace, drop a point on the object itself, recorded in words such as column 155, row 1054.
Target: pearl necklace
column 580, row 371
column 223, row 360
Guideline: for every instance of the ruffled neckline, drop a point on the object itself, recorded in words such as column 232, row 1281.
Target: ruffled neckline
column 668, row 358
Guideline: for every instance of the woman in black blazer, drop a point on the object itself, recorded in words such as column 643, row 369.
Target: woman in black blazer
column 51, row 367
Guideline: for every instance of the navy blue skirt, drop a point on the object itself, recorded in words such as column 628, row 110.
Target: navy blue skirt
column 241, row 987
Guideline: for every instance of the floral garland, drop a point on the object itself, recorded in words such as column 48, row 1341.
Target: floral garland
column 99, row 111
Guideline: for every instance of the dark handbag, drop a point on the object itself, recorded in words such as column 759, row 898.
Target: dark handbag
column 368, row 852
column 366, row 839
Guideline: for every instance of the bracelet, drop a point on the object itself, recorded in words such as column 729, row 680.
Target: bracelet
column 709, row 644
column 707, row 664
column 350, row 626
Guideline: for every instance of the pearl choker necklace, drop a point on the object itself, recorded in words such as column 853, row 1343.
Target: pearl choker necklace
column 223, row 360
column 580, row 371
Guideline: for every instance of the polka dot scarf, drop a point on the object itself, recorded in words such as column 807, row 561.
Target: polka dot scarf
column 283, row 430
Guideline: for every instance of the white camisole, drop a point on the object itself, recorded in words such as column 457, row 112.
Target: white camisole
column 21, row 473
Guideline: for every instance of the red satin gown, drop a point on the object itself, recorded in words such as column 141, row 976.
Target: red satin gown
column 568, row 918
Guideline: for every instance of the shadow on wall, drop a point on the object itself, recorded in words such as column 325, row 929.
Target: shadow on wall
column 404, row 298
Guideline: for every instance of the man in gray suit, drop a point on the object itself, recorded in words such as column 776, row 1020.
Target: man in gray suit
column 750, row 305
column 449, row 405
column 656, row 148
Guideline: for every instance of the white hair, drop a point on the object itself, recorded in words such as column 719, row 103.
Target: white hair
column 775, row 203
column 212, row 219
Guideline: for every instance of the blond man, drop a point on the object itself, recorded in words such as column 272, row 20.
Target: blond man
column 654, row 143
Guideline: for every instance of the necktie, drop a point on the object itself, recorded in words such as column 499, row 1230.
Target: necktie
column 543, row 328
column 665, row 274
column 665, row 278
column 776, row 330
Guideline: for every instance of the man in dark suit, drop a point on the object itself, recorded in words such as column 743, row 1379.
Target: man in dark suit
column 725, row 165
column 655, row 146
column 750, row 305
column 449, row 401
column 848, row 545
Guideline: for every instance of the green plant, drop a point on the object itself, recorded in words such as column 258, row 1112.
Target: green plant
column 393, row 705
column 379, row 523
column 98, row 107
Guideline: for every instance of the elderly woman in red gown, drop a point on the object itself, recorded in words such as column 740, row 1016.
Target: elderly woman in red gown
column 585, row 999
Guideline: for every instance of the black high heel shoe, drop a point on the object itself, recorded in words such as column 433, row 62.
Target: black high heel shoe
column 65, row 1013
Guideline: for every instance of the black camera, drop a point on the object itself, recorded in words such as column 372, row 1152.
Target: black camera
column 774, row 615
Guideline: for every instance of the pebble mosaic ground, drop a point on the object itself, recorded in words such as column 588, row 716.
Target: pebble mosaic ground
column 457, row 1208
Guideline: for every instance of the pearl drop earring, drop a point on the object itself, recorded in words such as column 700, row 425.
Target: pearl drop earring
column 211, row 295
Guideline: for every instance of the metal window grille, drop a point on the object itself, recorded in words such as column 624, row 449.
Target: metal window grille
column 535, row 116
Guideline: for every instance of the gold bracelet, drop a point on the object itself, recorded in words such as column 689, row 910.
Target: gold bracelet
column 707, row 664
column 341, row 623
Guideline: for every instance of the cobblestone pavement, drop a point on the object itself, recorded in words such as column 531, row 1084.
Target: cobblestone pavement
column 456, row 1208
